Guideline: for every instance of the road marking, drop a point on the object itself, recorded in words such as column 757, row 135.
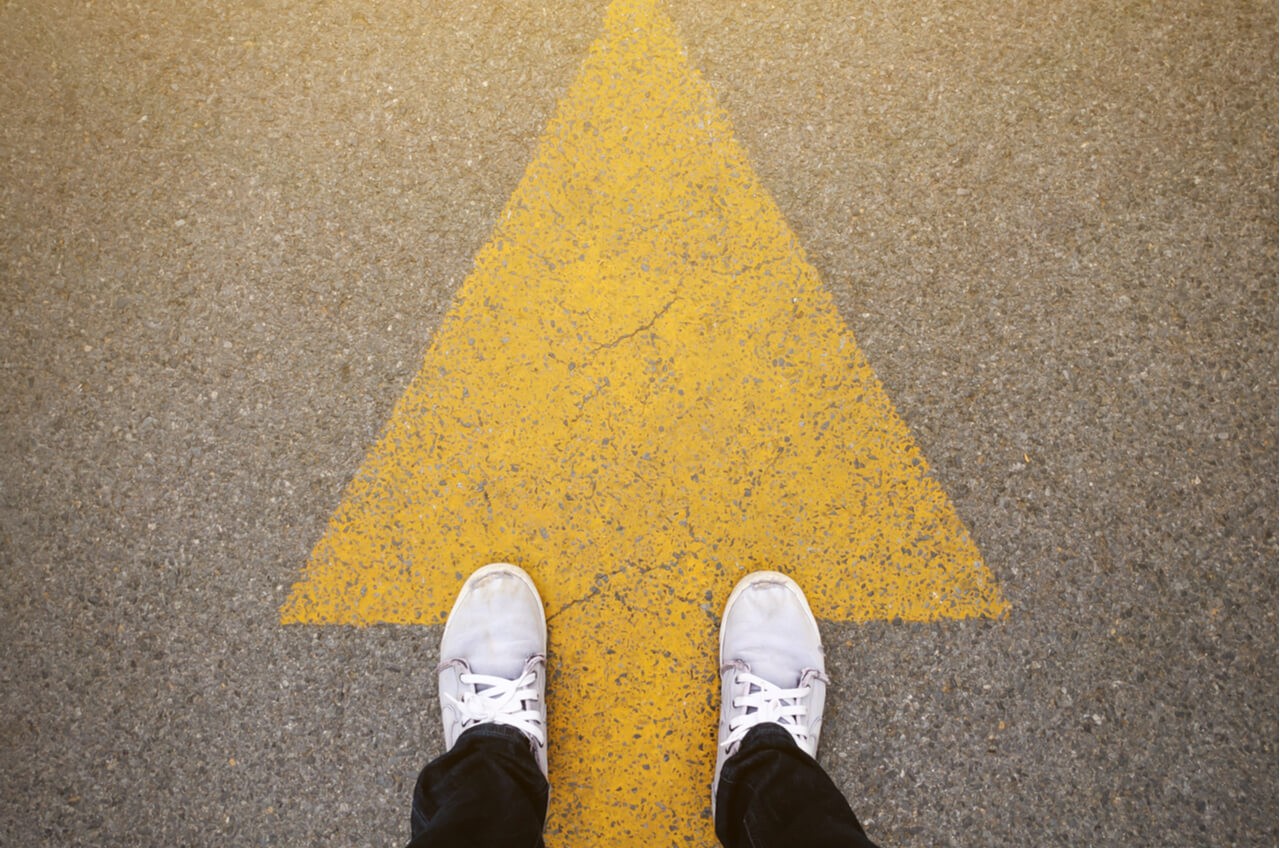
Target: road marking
column 642, row 392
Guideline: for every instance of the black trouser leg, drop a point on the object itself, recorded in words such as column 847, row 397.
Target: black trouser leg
column 774, row 795
column 486, row 791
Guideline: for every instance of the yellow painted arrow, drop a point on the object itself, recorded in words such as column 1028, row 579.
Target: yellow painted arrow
column 642, row 392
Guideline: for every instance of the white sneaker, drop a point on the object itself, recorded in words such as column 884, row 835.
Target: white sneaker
column 493, row 658
column 771, row 665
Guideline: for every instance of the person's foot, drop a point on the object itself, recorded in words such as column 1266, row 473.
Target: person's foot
column 771, row 664
column 493, row 658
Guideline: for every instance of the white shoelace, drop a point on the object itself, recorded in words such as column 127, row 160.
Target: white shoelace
column 769, row 704
column 501, row 701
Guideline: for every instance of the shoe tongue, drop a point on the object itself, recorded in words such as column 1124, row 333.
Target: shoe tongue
column 776, row 702
column 780, row 674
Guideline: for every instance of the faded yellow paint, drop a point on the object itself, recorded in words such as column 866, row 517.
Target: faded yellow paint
column 642, row 392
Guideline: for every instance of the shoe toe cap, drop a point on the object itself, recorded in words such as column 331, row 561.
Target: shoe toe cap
column 497, row 623
column 769, row 626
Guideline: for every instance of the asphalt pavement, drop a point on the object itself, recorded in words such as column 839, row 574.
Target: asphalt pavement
column 228, row 233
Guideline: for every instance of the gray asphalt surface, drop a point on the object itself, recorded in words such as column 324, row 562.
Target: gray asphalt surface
column 227, row 233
